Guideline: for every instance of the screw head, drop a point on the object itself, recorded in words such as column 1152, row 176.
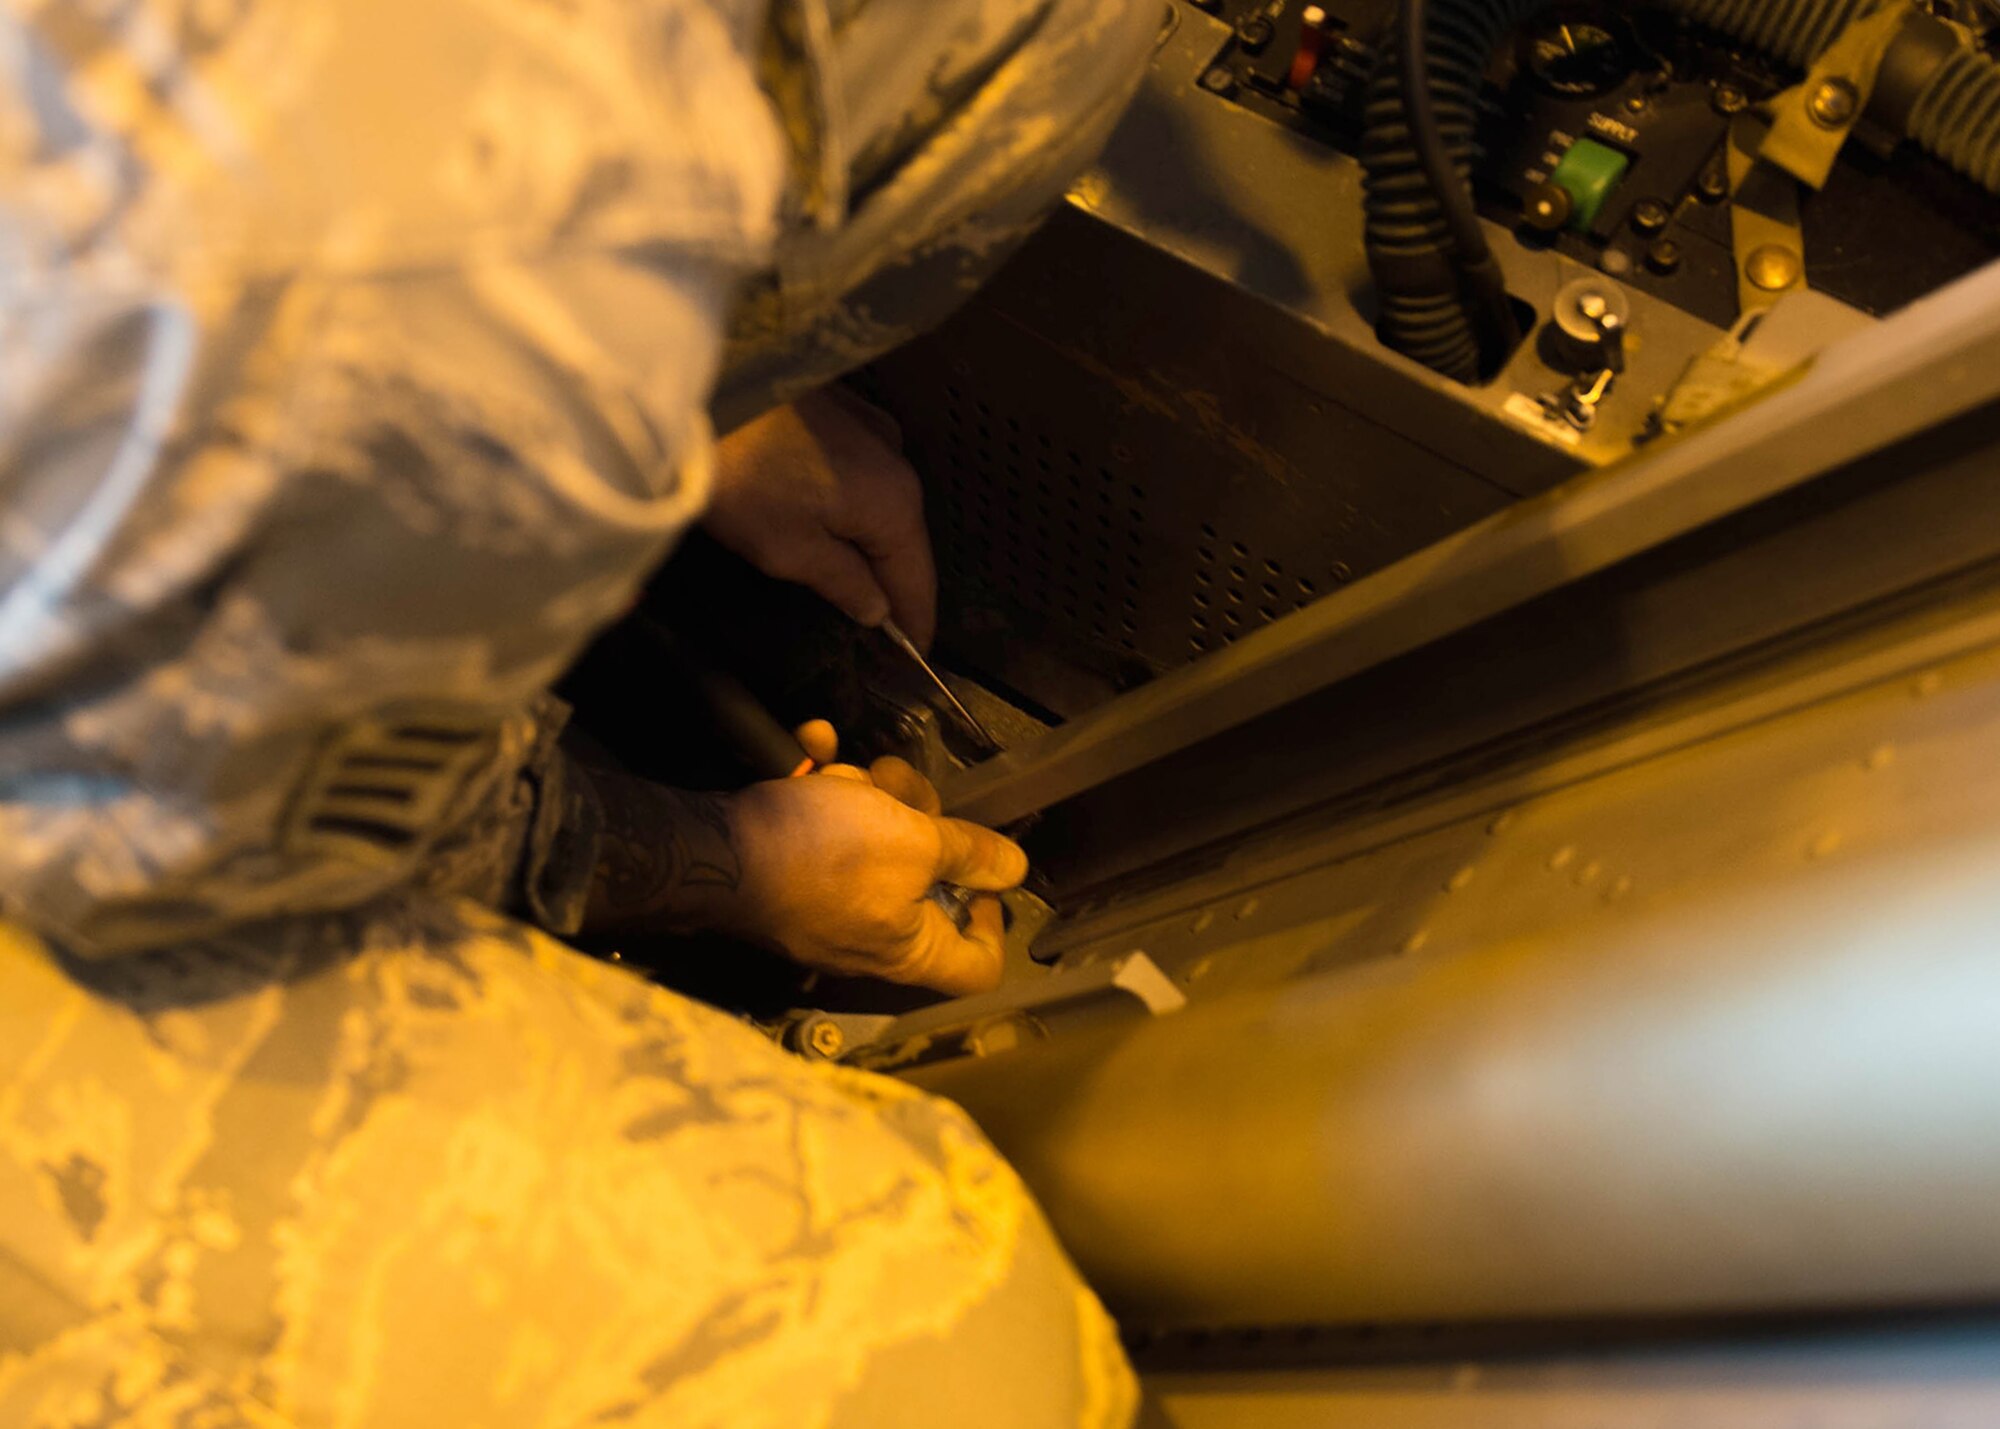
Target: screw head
column 1713, row 184
column 1649, row 216
column 1832, row 103
column 1663, row 256
column 1772, row 267
column 1728, row 99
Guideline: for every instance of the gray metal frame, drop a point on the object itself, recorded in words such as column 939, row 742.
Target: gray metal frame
column 1697, row 1020
column 1931, row 362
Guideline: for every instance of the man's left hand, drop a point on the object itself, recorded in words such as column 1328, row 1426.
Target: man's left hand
column 811, row 493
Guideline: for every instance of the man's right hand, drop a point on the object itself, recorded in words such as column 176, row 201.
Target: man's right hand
column 834, row 870
column 837, row 873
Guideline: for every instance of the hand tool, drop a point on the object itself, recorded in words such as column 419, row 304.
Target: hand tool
column 972, row 725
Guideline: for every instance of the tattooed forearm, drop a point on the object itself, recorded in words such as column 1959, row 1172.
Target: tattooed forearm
column 666, row 856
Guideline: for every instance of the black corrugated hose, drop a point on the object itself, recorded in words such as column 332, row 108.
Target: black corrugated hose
column 1422, row 276
column 1437, row 285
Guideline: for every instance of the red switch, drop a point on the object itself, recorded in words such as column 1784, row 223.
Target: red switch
column 1312, row 41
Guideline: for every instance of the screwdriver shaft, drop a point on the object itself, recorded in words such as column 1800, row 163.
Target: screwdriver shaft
column 909, row 648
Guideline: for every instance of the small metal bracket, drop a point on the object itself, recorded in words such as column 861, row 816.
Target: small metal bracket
column 1763, row 220
column 1811, row 120
column 1019, row 1012
column 1797, row 142
column 1762, row 348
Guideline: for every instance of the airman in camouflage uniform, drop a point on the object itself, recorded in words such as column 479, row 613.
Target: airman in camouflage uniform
column 355, row 363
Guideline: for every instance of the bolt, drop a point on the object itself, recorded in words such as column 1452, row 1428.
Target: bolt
column 1832, row 104
column 1254, row 33
column 817, row 1036
column 826, row 1038
column 1649, row 216
column 1713, row 184
column 1772, row 267
column 1663, row 256
column 1729, row 100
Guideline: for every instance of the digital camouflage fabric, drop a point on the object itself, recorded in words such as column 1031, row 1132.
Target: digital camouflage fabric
column 355, row 361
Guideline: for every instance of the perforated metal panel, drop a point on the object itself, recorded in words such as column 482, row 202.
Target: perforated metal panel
column 1236, row 589
column 1126, row 472
column 1072, row 535
column 1037, row 523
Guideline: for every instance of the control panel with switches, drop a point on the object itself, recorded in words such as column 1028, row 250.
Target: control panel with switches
column 1602, row 135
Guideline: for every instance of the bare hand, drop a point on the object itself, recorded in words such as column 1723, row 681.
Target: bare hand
column 837, row 873
column 810, row 493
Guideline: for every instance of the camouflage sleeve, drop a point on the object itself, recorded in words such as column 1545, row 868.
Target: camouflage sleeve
column 422, row 1167
column 353, row 365
column 938, row 136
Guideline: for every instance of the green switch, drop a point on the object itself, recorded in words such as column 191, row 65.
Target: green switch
column 1589, row 171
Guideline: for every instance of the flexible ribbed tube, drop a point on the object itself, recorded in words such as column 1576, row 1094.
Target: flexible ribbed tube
column 1423, row 314
column 1794, row 31
column 1957, row 117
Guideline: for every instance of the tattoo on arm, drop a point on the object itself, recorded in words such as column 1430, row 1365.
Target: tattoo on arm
column 663, row 852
